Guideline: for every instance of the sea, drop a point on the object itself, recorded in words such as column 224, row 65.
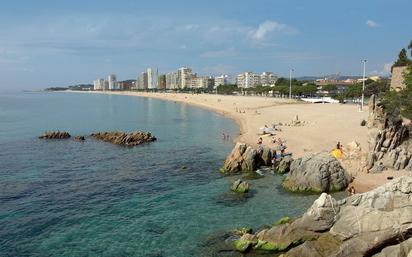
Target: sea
column 167, row 198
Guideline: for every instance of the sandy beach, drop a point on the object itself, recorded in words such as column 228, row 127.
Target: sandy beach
column 323, row 124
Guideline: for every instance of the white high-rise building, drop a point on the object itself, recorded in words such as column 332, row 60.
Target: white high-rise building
column 248, row 79
column 151, row 79
column 221, row 80
column 99, row 84
column 184, row 77
column 112, row 82
column 172, row 81
column 267, row 79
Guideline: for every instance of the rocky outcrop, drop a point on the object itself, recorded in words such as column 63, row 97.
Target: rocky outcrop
column 390, row 144
column 246, row 158
column 283, row 166
column 126, row 139
column 55, row 135
column 79, row 138
column 316, row 173
column 240, row 186
column 376, row 223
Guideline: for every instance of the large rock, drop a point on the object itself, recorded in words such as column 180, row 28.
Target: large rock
column 55, row 135
column 390, row 143
column 376, row 223
column 265, row 155
column 316, row 173
column 240, row 186
column 284, row 165
column 242, row 158
column 126, row 139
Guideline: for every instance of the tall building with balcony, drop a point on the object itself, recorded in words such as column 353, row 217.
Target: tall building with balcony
column 142, row 81
column 221, row 80
column 112, row 82
column 248, row 79
column 267, row 79
column 99, row 84
column 152, row 78
column 161, row 82
column 184, row 77
column 172, row 81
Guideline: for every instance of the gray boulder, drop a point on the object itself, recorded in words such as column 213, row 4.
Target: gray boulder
column 403, row 249
column 284, row 165
column 376, row 223
column 316, row 173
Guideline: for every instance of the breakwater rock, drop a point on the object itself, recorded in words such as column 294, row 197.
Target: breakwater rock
column 55, row 135
column 244, row 158
column 390, row 143
column 240, row 186
column 123, row 138
column 316, row 173
column 369, row 224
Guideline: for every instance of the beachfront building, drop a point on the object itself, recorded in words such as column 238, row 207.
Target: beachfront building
column 248, row 79
column 151, row 78
column 99, row 84
column 112, row 82
column 267, row 79
column 172, row 81
column 201, row 82
column 142, row 81
column 161, row 82
column 184, row 77
column 221, row 80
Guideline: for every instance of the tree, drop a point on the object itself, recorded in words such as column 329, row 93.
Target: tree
column 402, row 59
column 330, row 88
column 377, row 87
column 354, row 91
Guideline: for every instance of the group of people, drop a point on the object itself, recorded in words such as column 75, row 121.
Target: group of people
column 278, row 153
column 225, row 136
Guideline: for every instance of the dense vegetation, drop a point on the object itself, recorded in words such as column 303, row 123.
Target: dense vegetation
column 401, row 102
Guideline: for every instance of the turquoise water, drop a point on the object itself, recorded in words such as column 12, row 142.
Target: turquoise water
column 68, row 198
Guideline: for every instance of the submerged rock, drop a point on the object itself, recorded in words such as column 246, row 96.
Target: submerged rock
column 55, row 135
column 126, row 139
column 316, row 173
column 240, row 186
column 79, row 138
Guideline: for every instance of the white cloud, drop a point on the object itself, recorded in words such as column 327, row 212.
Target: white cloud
column 372, row 24
column 266, row 28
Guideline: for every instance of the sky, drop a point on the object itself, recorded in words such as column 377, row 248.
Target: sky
column 47, row 43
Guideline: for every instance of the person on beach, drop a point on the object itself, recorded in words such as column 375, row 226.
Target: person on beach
column 274, row 160
column 260, row 141
column 273, row 140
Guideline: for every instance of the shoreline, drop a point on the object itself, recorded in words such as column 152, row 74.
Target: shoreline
column 323, row 125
